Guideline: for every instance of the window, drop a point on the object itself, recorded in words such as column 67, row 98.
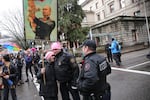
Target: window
column 122, row 3
column 111, row 6
column 96, row 5
column 134, row 36
column 103, row 13
column 137, row 13
column 90, row 8
column 85, row 19
column 98, row 17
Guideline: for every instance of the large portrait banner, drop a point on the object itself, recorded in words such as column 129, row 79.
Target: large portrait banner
column 40, row 18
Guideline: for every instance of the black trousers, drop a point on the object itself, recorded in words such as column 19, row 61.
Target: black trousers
column 29, row 67
column 109, row 57
column 117, row 58
column 20, row 73
column 6, row 93
column 65, row 88
column 35, row 68
column 50, row 98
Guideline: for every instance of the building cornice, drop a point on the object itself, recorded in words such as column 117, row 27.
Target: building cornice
column 118, row 18
column 85, row 2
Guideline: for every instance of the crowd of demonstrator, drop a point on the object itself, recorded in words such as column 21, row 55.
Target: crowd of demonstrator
column 11, row 66
column 57, row 67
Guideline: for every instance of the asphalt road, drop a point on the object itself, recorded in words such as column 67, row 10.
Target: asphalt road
column 131, row 80
column 128, row 82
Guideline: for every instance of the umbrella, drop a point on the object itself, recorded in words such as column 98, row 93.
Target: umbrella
column 11, row 47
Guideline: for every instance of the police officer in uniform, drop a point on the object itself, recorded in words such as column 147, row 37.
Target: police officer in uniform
column 66, row 70
column 92, row 81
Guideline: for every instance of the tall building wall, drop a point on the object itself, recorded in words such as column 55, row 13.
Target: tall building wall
column 122, row 19
column 130, row 8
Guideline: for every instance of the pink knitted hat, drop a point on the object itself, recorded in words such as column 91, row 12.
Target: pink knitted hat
column 56, row 45
column 48, row 55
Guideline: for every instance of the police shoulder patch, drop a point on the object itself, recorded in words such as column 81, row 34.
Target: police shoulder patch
column 103, row 66
column 87, row 67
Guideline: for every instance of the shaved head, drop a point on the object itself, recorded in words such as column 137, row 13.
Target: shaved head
column 46, row 10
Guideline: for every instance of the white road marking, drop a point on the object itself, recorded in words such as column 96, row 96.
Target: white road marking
column 132, row 71
column 113, row 68
column 138, row 65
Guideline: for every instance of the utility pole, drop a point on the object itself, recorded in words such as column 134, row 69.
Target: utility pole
column 147, row 26
column 90, row 34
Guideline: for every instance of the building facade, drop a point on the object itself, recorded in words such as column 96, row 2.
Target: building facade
column 125, row 20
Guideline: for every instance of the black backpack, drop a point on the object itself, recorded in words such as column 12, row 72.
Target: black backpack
column 117, row 46
column 19, row 62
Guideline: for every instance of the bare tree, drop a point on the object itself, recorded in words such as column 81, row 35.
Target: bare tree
column 13, row 25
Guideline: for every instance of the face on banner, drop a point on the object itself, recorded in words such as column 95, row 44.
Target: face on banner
column 40, row 19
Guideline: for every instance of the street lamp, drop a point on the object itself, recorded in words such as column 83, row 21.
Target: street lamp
column 146, row 21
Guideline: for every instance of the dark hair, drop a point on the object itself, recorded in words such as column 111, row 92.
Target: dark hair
column 113, row 39
column 6, row 57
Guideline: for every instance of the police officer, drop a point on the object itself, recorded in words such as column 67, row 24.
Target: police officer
column 92, row 82
column 66, row 70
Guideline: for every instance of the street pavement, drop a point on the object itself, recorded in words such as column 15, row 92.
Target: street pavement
column 130, row 81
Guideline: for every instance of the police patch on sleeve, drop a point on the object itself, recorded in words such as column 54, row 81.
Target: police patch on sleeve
column 87, row 67
column 103, row 66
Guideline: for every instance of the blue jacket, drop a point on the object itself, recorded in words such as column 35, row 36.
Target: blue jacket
column 114, row 47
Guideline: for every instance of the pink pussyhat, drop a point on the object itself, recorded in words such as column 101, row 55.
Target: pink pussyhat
column 48, row 55
column 56, row 46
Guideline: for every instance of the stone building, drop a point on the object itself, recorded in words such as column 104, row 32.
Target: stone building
column 124, row 20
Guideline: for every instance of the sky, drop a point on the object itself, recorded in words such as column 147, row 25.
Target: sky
column 7, row 5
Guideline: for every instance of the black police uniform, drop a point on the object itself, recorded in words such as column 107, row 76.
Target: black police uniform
column 92, row 80
column 66, row 70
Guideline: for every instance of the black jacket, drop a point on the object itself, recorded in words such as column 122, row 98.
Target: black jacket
column 66, row 68
column 12, row 72
column 50, row 88
column 90, row 79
